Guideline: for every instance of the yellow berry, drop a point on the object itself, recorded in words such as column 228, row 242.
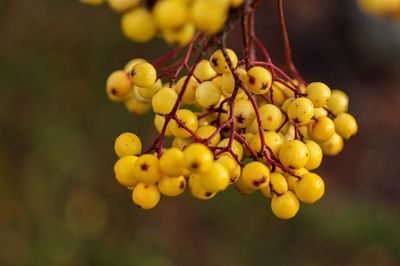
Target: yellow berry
column 319, row 112
column 346, row 125
column 164, row 101
column 278, row 183
column 128, row 66
column 181, row 143
column 256, row 175
column 309, row 188
column 122, row 5
column 208, row 94
column 135, row 106
column 198, row 158
column 218, row 62
column 148, row 92
column 300, row 111
column 118, row 86
column 159, row 122
column 322, row 129
column 294, row 154
column 189, row 96
column 338, row 103
column 244, row 113
column 231, row 166
column 315, row 155
column 147, row 169
column 171, row 162
column 271, row 116
column 291, row 179
column 332, row 146
column 171, row 186
column 208, row 15
column 285, row 206
column 271, row 139
column 258, row 80
column 146, row 196
column 243, row 187
column 216, row 179
column 127, row 144
column 181, row 36
column 125, row 172
column 170, row 14
column 204, row 71
column 236, row 3
column 197, row 190
column 318, row 93
column 237, row 148
column 278, row 95
column 205, row 132
column 143, row 74
column 286, row 103
column 138, row 25
column 187, row 118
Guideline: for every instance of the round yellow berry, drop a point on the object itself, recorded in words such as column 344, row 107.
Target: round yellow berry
column 190, row 85
column 171, row 186
column 315, row 155
column 197, row 190
column 206, row 132
column 219, row 63
column 170, row 14
column 271, row 116
column 231, row 166
column 159, row 122
column 318, row 93
column 332, row 146
column 118, row 86
column 285, row 206
column 208, row 15
column 244, row 113
column 122, row 5
column 322, row 129
column 146, row 196
column 147, row 169
column 294, row 154
column 138, row 25
column 204, row 71
column 208, row 94
column 187, row 118
column 127, row 144
column 216, row 179
column 346, row 125
column 258, row 80
column 309, row 188
column 171, row 162
column 237, row 148
column 256, row 175
column 198, row 158
column 300, row 111
column 124, row 171
column 164, row 101
column 338, row 103
column 143, row 74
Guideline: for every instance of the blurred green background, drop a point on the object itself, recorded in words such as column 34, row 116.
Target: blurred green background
column 59, row 201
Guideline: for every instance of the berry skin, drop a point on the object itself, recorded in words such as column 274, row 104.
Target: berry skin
column 164, row 101
column 159, row 122
column 189, row 119
column 319, row 112
column 236, row 3
column 143, row 74
column 278, row 95
column 278, row 183
column 271, row 116
column 147, row 169
column 170, row 14
column 332, row 146
column 294, row 154
column 258, row 80
column 271, row 139
column 122, row 5
column 237, row 148
column 218, row 62
column 300, row 111
column 323, row 129
column 338, row 103
column 285, row 206
column 204, row 71
column 135, row 106
column 181, row 143
column 243, row 187
column 208, row 15
column 127, row 144
column 208, row 94
column 318, row 93
column 181, row 36
column 256, row 175
column 146, row 196
column 231, row 166
column 309, row 188
column 171, row 186
column 346, row 125
column 118, row 86
column 128, row 66
column 244, row 113
column 197, row 190
column 216, row 179
column 148, row 92
column 171, row 162
column 189, row 96
column 291, row 180
column 315, row 155
column 198, row 158
column 124, row 171
column 138, row 25
column 207, row 131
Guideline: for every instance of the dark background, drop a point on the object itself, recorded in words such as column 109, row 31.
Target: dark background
column 59, row 201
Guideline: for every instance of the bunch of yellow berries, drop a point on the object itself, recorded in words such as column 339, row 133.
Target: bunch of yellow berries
column 381, row 8
column 176, row 21
column 230, row 123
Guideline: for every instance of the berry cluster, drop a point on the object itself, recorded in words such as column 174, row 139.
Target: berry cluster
column 381, row 8
column 235, row 122
column 176, row 21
